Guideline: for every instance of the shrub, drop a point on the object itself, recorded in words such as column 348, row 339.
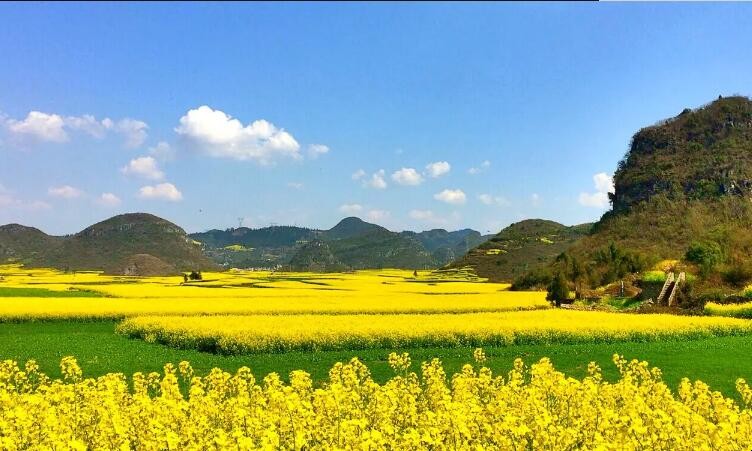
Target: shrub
column 738, row 274
column 558, row 290
column 706, row 254
column 538, row 278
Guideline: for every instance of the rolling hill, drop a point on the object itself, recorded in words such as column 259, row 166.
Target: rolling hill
column 110, row 245
column 523, row 246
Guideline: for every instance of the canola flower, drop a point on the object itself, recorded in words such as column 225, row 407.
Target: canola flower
column 236, row 334
column 528, row 408
column 257, row 292
column 742, row 310
column 26, row 308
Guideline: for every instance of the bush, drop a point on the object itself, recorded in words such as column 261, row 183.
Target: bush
column 706, row 254
column 738, row 274
column 558, row 290
column 538, row 278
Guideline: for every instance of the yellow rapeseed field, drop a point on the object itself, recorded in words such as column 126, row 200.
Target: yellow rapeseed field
column 250, row 292
column 25, row 308
column 236, row 334
column 742, row 310
column 528, row 408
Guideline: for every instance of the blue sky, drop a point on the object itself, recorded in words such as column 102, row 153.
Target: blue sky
column 206, row 113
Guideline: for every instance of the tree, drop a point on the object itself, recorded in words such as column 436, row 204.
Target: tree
column 558, row 290
column 706, row 254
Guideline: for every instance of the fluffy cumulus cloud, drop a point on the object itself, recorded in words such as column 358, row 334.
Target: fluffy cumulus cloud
column 487, row 199
column 407, row 176
column 377, row 180
column 108, row 200
column 350, row 209
column 451, row 196
column 65, row 192
column 438, row 168
column 144, row 167
column 162, row 151
column 162, row 191
column 482, row 168
column 316, row 150
column 50, row 127
column 90, row 125
column 295, row 185
column 359, row 174
column 134, row 131
column 219, row 135
column 39, row 127
column 378, row 215
column 604, row 184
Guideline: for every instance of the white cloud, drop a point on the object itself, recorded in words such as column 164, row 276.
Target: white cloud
column 359, row 174
column 350, row 209
column 65, row 192
column 488, row 199
column 421, row 215
column 429, row 217
column 535, row 199
column 39, row 126
column 133, row 130
column 604, row 184
column 36, row 205
column 219, row 135
column 144, row 167
column 162, row 151
column 407, row 176
column 8, row 201
column 316, row 150
column 482, row 168
column 377, row 180
column 295, row 185
column 50, row 127
column 89, row 125
column 108, row 200
column 437, row 169
column 378, row 215
column 451, row 196
column 162, row 191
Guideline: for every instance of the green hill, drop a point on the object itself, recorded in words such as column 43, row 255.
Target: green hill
column 25, row 244
column 109, row 245
column 682, row 192
column 524, row 246
column 351, row 227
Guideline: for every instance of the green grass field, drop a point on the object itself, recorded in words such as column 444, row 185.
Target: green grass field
column 717, row 361
column 13, row 292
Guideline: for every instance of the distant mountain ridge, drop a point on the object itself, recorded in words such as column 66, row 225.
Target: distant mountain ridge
column 109, row 245
column 350, row 244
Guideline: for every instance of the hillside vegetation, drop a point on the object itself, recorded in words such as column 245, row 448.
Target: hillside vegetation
column 522, row 247
column 116, row 245
column 350, row 244
column 682, row 192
